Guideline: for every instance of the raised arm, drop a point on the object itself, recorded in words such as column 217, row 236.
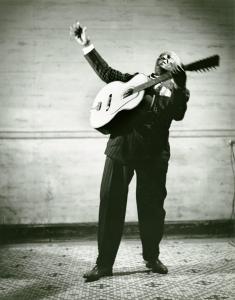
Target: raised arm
column 99, row 65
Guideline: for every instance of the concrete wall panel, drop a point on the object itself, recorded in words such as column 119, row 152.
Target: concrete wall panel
column 51, row 160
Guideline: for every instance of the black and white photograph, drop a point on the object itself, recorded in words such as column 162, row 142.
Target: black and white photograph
column 117, row 150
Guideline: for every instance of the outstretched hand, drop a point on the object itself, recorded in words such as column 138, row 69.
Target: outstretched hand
column 179, row 76
column 79, row 34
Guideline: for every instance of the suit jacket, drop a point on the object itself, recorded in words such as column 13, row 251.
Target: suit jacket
column 146, row 133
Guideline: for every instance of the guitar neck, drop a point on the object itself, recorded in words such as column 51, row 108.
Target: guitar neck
column 160, row 79
column 152, row 82
column 199, row 65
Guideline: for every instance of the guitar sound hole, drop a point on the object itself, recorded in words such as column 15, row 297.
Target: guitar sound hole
column 109, row 102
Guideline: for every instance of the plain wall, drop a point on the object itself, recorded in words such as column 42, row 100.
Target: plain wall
column 51, row 160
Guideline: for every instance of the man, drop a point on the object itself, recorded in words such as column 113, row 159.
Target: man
column 140, row 146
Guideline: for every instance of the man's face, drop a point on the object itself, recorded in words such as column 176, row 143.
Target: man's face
column 166, row 61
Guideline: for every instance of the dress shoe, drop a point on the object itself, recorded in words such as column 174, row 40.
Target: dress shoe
column 98, row 272
column 157, row 267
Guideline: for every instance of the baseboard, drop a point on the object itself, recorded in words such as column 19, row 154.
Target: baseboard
column 54, row 232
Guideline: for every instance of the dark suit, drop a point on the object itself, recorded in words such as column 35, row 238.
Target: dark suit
column 141, row 146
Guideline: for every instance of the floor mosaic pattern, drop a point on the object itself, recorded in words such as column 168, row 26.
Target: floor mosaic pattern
column 198, row 269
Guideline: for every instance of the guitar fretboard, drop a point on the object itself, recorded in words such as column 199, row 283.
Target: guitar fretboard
column 152, row 82
column 202, row 65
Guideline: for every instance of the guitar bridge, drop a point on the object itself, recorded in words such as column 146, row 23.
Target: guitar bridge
column 98, row 106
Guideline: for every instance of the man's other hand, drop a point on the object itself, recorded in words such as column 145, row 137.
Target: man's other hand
column 179, row 76
column 79, row 34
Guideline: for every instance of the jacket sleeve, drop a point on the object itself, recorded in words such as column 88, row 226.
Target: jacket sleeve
column 174, row 106
column 103, row 70
column 178, row 103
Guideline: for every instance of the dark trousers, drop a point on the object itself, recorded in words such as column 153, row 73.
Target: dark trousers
column 150, row 195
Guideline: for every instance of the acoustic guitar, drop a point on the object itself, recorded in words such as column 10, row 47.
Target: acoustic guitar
column 118, row 97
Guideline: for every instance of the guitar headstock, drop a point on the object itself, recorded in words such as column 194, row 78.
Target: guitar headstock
column 205, row 64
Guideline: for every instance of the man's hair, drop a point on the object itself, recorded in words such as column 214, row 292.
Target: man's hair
column 173, row 55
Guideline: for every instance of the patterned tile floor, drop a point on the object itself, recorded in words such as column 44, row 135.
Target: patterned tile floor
column 198, row 269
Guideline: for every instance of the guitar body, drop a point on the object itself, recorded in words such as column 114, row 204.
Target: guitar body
column 113, row 99
column 111, row 105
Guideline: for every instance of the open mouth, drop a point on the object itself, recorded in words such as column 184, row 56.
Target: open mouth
column 164, row 64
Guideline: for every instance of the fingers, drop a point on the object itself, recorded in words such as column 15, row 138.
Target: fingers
column 74, row 27
column 78, row 33
column 178, row 70
column 71, row 31
column 84, row 31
